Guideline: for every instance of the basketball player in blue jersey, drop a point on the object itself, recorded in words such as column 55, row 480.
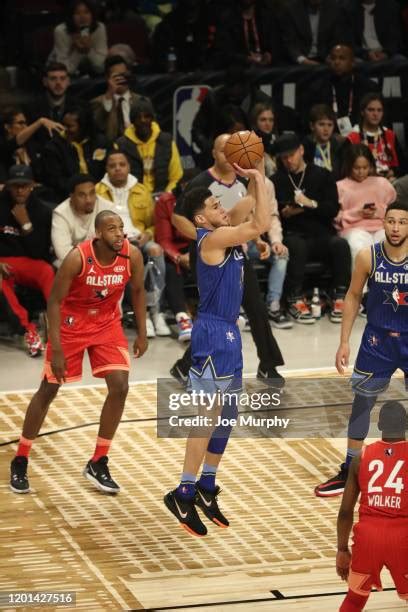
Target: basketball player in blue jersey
column 384, row 346
column 215, row 341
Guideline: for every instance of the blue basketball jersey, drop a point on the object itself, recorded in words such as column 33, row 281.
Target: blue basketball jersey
column 387, row 302
column 220, row 286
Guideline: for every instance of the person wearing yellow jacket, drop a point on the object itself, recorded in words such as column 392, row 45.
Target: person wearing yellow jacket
column 133, row 202
column 153, row 155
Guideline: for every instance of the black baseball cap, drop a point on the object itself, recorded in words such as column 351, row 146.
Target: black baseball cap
column 20, row 175
column 286, row 144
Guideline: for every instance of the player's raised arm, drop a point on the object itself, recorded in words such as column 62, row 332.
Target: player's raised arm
column 345, row 520
column 184, row 226
column 352, row 301
column 242, row 209
column 259, row 223
column 138, row 298
column 70, row 267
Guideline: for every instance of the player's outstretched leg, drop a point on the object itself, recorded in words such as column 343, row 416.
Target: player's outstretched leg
column 96, row 470
column 353, row 602
column 358, row 427
column 206, row 497
column 207, row 491
column 34, row 418
column 185, row 512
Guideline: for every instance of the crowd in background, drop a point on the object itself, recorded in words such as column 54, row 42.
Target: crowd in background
column 331, row 169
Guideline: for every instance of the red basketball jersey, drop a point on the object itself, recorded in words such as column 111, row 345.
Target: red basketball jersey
column 383, row 480
column 94, row 295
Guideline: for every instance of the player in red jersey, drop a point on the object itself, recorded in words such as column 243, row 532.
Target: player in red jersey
column 84, row 314
column 380, row 537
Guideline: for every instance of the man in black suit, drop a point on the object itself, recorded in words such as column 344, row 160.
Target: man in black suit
column 310, row 28
column 248, row 33
column 376, row 28
column 342, row 89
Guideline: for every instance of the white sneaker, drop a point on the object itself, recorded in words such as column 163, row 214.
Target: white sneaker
column 160, row 326
column 149, row 328
column 184, row 326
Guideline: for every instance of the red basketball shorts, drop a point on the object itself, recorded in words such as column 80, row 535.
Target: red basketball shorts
column 107, row 350
column 378, row 543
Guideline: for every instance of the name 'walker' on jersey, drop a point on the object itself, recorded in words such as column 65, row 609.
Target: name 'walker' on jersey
column 383, row 480
column 387, row 302
column 95, row 294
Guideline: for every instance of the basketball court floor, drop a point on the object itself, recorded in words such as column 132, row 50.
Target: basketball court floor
column 126, row 552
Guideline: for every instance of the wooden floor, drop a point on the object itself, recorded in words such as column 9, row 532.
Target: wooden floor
column 127, row 552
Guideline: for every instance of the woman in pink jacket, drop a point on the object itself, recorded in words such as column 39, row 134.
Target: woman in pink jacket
column 363, row 198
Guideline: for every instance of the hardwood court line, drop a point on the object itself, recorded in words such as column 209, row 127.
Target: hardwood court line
column 71, row 542
column 278, row 596
column 135, row 383
column 93, row 568
column 151, row 419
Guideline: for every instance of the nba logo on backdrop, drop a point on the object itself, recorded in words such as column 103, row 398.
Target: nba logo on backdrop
column 186, row 103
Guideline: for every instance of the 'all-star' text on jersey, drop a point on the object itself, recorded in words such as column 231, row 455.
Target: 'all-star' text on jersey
column 387, row 302
column 94, row 296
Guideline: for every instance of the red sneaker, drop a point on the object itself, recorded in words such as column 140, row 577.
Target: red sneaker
column 33, row 343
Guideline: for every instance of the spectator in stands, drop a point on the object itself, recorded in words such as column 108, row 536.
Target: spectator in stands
column 54, row 99
column 342, row 90
column 154, row 11
column 310, row 28
column 80, row 42
column 308, row 203
column 177, row 257
column 25, row 229
column 247, row 33
column 73, row 221
column 363, row 199
column 401, row 187
column 376, row 28
column 77, row 151
column 322, row 148
column 382, row 141
column 111, row 110
column 183, row 40
column 18, row 145
column 262, row 121
column 153, row 154
column 224, row 110
column 133, row 202
column 222, row 181
column 276, row 257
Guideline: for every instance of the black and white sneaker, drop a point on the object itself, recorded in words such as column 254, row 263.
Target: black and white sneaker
column 185, row 513
column 335, row 485
column 300, row 312
column 179, row 375
column 271, row 377
column 18, row 475
column 98, row 473
column 207, row 502
column 279, row 319
column 336, row 313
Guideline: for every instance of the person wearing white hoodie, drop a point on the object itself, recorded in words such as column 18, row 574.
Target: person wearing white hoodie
column 133, row 202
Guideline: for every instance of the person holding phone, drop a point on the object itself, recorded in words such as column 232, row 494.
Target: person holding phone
column 363, row 199
column 80, row 42
column 111, row 110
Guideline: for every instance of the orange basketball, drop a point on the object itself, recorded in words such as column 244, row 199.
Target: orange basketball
column 244, row 148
